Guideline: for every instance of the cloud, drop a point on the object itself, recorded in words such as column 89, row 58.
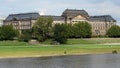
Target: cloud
column 56, row 7
column 11, row 0
column 40, row 11
column 96, row 1
column 107, row 7
column 116, row 2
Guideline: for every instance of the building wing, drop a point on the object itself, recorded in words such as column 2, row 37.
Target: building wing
column 55, row 18
column 22, row 16
column 103, row 18
column 73, row 13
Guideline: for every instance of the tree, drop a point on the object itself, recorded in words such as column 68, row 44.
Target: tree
column 70, row 30
column 82, row 30
column 7, row 32
column 60, row 33
column 25, row 36
column 114, row 31
column 43, row 28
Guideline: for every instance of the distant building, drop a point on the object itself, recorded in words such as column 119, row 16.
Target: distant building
column 74, row 16
column 1, row 21
column 99, row 24
column 56, row 19
column 22, row 21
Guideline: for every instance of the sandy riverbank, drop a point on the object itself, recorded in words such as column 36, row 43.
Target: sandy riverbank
column 52, row 55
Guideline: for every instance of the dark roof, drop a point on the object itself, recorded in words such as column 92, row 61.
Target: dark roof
column 22, row 16
column 55, row 18
column 72, row 13
column 105, row 18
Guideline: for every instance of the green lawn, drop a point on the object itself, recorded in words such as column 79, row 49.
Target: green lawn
column 13, row 43
column 94, row 41
column 73, row 46
column 89, row 41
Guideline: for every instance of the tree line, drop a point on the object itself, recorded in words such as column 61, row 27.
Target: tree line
column 44, row 29
column 8, row 33
column 114, row 31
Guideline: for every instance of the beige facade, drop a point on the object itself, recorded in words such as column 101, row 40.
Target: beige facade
column 1, row 21
column 79, row 18
column 21, row 25
column 22, row 21
column 99, row 28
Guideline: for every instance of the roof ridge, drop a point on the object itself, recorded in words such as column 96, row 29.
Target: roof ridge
column 100, row 15
column 25, row 13
column 74, row 10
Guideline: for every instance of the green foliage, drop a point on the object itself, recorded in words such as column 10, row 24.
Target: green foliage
column 70, row 30
column 60, row 33
column 43, row 28
column 8, row 32
column 82, row 30
column 77, row 30
column 25, row 36
column 114, row 31
column 13, row 43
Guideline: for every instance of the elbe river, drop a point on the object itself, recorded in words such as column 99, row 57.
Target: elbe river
column 79, row 61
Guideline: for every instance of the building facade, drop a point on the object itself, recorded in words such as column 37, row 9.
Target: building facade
column 22, row 21
column 1, row 21
column 100, row 24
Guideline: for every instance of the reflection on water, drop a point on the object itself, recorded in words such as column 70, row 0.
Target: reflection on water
column 84, row 61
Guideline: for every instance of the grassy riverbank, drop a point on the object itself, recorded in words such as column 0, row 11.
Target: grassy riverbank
column 73, row 47
column 90, row 41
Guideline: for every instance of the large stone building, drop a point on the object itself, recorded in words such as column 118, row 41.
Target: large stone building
column 22, row 21
column 100, row 24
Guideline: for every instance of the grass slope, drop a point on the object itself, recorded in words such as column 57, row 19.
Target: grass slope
column 74, row 46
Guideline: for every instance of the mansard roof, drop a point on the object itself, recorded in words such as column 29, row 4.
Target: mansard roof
column 55, row 18
column 102, row 18
column 73, row 13
column 22, row 16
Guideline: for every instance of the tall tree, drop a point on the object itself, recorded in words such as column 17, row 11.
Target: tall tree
column 43, row 28
column 8, row 32
column 70, row 30
column 114, row 31
column 82, row 30
column 60, row 33
column 25, row 36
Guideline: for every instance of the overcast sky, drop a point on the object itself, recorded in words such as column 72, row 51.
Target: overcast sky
column 56, row 7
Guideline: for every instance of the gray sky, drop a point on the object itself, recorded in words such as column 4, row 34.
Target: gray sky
column 56, row 7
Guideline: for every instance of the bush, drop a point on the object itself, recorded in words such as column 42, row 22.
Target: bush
column 8, row 32
column 82, row 30
column 25, row 36
column 42, row 29
column 114, row 31
column 60, row 33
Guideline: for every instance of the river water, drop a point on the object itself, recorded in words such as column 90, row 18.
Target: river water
column 81, row 61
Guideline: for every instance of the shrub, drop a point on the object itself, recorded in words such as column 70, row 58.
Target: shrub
column 114, row 31
column 8, row 32
column 82, row 30
column 60, row 33
column 25, row 36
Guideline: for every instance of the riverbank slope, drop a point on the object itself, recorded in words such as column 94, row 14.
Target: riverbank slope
column 10, row 49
